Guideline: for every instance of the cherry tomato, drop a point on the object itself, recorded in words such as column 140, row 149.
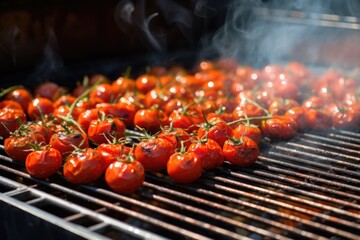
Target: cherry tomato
column 84, row 166
column 101, row 130
column 112, row 152
column 154, row 153
column 145, row 83
column 156, row 97
column 87, row 116
column 279, row 127
column 49, row 90
column 19, row 147
column 10, row 119
column 39, row 107
column 10, row 104
column 41, row 129
column 241, row 152
column 182, row 119
column 184, row 167
column 103, row 91
column 209, row 152
column 216, row 129
column 150, row 119
column 67, row 141
column 318, row 120
column 43, row 163
column 175, row 136
column 22, row 96
column 122, row 85
column 125, row 177
column 279, row 106
column 298, row 114
column 250, row 131
column 64, row 100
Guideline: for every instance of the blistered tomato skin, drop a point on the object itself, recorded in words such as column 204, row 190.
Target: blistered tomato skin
column 209, row 152
column 125, row 177
column 243, row 153
column 184, row 167
column 43, row 163
column 84, row 166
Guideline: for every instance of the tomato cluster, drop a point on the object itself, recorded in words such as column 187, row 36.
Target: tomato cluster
column 191, row 122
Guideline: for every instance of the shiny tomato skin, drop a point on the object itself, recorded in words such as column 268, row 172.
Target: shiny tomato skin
column 298, row 114
column 318, row 120
column 22, row 96
column 150, row 119
column 279, row 106
column 9, row 122
column 122, row 85
column 10, row 104
column 18, row 148
column 250, row 131
column 49, row 90
column 184, row 167
column 103, row 91
column 217, row 130
column 175, row 137
column 112, row 152
column 154, row 153
column 181, row 120
column 64, row 100
column 145, row 83
column 84, row 166
column 100, row 131
column 87, row 116
column 126, row 112
column 43, row 163
column 125, row 177
column 242, row 154
column 279, row 127
column 41, row 129
column 209, row 152
column 38, row 107
column 67, row 142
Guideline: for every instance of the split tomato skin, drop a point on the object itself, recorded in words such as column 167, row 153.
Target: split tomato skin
column 43, row 163
column 84, row 166
column 184, row 167
column 125, row 177
column 243, row 153
column 154, row 153
column 66, row 142
column 209, row 152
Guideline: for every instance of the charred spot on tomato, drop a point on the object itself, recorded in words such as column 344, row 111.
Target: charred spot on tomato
column 148, row 148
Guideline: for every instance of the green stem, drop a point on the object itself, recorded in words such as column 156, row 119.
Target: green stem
column 249, row 119
column 8, row 90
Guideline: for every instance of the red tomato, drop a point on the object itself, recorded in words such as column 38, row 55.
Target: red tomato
column 87, row 116
column 125, row 177
column 49, row 90
column 279, row 127
column 179, row 119
column 39, row 107
column 175, row 136
column 216, row 129
column 150, row 119
column 154, row 153
column 250, row 131
column 209, row 152
column 173, row 105
column 18, row 147
column 344, row 116
column 313, row 102
column 22, row 96
column 122, row 85
column 9, row 118
column 43, row 163
column 298, row 114
column 84, row 166
column 64, row 100
column 126, row 112
column 318, row 120
column 241, row 152
column 103, row 91
column 279, row 106
column 67, row 142
column 146, row 83
column 10, row 104
column 112, row 152
column 184, row 167
column 156, row 97
column 102, row 130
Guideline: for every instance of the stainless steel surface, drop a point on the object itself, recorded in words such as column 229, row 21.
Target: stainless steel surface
column 306, row 188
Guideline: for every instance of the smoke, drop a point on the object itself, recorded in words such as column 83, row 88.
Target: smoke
column 130, row 15
column 260, row 32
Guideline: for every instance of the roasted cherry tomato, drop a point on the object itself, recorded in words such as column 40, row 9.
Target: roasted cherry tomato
column 10, row 104
column 154, row 153
column 184, row 167
column 318, row 120
column 49, row 90
column 146, row 83
column 39, row 107
column 19, row 147
column 10, row 120
column 250, row 131
column 87, row 116
column 102, row 130
column 279, row 127
column 22, row 96
column 216, row 129
column 209, row 152
column 175, row 136
column 112, row 152
column 241, row 151
column 298, row 114
column 125, row 177
column 64, row 100
column 84, row 166
column 150, row 119
column 122, row 85
column 67, row 141
column 103, row 91
column 43, row 163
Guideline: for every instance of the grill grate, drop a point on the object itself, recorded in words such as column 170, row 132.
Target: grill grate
column 305, row 188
